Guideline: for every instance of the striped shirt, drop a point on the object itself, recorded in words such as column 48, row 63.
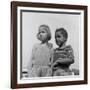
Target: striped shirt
column 65, row 54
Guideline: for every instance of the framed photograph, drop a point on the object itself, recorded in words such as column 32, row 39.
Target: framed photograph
column 48, row 44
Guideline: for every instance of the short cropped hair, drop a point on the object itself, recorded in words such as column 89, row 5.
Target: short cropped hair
column 47, row 30
column 63, row 32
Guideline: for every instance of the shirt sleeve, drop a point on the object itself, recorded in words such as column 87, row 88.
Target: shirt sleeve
column 51, row 53
column 71, row 54
column 32, row 60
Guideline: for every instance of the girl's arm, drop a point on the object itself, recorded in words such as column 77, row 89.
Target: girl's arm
column 51, row 61
column 32, row 60
column 65, row 61
column 69, row 59
column 51, row 55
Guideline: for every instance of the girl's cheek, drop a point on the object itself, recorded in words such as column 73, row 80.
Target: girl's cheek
column 46, row 35
column 39, row 37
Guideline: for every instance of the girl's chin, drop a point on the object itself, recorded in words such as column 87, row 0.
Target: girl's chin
column 42, row 41
column 59, row 44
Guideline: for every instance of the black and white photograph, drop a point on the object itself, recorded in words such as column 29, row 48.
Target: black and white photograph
column 50, row 44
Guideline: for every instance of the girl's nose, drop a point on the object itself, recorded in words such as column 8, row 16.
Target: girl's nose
column 58, row 38
column 40, row 34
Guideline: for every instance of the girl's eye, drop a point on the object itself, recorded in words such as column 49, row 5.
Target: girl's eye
column 58, row 37
column 43, row 32
column 39, row 32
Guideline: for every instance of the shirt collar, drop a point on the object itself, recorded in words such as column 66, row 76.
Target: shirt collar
column 63, row 46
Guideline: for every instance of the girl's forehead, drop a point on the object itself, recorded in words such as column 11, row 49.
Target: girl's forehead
column 42, row 28
column 58, row 33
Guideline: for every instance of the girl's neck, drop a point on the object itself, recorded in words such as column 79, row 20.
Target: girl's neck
column 46, row 42
column 62, row 46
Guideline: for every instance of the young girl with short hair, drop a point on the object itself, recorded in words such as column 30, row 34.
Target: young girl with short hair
column 63, row 55
column 41, row 54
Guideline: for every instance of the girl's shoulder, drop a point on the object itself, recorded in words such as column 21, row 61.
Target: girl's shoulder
column 36, row 45
column 68, row 47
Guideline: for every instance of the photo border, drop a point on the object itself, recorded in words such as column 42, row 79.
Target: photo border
column 14, row 5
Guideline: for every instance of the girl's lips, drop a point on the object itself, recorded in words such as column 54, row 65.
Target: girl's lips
column 58, row 42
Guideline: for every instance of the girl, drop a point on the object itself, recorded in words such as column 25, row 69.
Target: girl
column 63, row 55
column 41, row 54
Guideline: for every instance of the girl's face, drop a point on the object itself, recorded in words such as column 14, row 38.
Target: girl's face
column 42, row 35
column 59, row 38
